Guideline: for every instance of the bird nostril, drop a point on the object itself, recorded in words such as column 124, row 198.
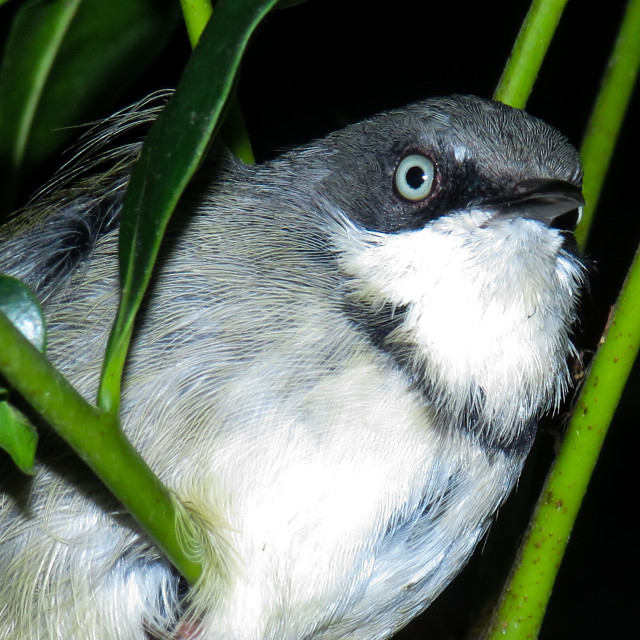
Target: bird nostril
column 567, row 221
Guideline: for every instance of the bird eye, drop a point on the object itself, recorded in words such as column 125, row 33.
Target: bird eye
column 414, row 177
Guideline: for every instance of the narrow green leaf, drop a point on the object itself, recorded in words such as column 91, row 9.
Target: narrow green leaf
column 233, row 131
column 17, row 437
column 34, row 42
column 66, row 62
column 173, row 150
column 22, row 308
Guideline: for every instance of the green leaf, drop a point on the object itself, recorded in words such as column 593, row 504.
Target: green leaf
column 68, row 61
column 174, row 148
column 234, row 134
column 21, row 306
column 17, row 437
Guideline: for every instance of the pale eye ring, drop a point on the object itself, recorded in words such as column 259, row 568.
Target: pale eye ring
column 414, row 177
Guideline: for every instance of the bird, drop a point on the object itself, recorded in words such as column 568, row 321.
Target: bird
column 339, row 369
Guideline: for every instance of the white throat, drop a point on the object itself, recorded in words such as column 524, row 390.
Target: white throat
column 487, row 303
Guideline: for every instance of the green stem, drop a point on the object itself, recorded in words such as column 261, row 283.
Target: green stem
column 528, row 52
column 608, row 113
column 98, row 439
column 233, row 132
column 196, row 14
column 524, row 601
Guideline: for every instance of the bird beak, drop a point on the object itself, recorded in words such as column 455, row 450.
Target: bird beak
column 554, row 203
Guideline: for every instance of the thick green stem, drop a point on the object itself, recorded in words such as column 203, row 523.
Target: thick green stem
column 524, row 600
column 98, row 439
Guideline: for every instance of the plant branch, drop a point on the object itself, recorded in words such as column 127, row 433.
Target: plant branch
column 528, row 52
column 608, row 114
column 98, row 439
column 521, row 609
column 525, row 599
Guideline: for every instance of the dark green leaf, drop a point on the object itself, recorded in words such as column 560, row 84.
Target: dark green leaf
column 173, row 150
column 17, row 437
column 66, row 62
column 21, row 306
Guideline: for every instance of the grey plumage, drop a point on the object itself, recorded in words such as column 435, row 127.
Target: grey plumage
column 342, row 384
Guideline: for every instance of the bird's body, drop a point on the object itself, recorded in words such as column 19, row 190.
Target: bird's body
column 341, row 383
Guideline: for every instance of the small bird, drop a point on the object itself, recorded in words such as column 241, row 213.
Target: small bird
column 339, row 370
